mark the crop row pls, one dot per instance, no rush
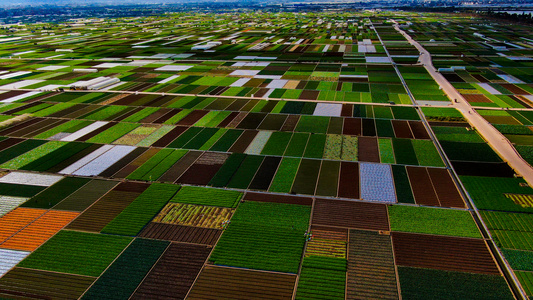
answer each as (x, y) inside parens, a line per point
(123, 276)
(322, 278)
(508, 221)
(194, 215)
(207, 196)
(265, 236)
(77, 253)
(136, 215)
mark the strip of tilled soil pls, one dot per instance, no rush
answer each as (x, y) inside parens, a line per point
(179, 233)
(228, 283)
(36, 284)
(350, 214)
(371, 273)
(174, 273)
(443, 253)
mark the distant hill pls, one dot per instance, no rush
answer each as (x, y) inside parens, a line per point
(98, 2)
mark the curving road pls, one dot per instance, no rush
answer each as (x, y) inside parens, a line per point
(496, 140)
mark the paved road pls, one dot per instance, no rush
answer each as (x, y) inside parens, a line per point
(495, 139)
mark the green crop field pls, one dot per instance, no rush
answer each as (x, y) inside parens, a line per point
(207, 196)
(256, 150)
(433, 221)
(77, 253)
(265, 236)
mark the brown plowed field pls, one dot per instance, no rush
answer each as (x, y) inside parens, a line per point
(9, 142)
(449, 124)
(371, 273)
(243, 141)
(156, 115)
(252, 120)
(11, 94)
(309, 95)
(290, 123)
(228, 283)
(402, 129)
(167, 116)
(68, 111)
(36, 284)
(434, 187)
(21, 108)
(514, 89)
(192, 118)
(180, 167)
(352, 126)
(82, 111)
(260, 92)
(179, 233)
(238, 104)
(447, 192)
(422, 186)
(480, 78)
(329, 233)
(273, 122)
(159, 102)
(350, 214)
(128, 100)
(56, 122)
(134, 187)
(136, 163)
(418, 129)
(28, 130)
(174, 273)
(264, 175)
(476, 98)
(170, 136)
(107, 208)
(368, 149)
(127, 114)
(349, 180)
(238, 118)
(203, 169)
(228, 119)
(443, 252)
(19, 126)
(199, 174)
(347, 110)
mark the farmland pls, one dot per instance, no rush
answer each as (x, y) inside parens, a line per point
(265, 155)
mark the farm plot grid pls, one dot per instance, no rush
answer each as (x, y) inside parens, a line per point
(252, 157)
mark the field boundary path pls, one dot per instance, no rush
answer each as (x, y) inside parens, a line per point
(495, 139)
